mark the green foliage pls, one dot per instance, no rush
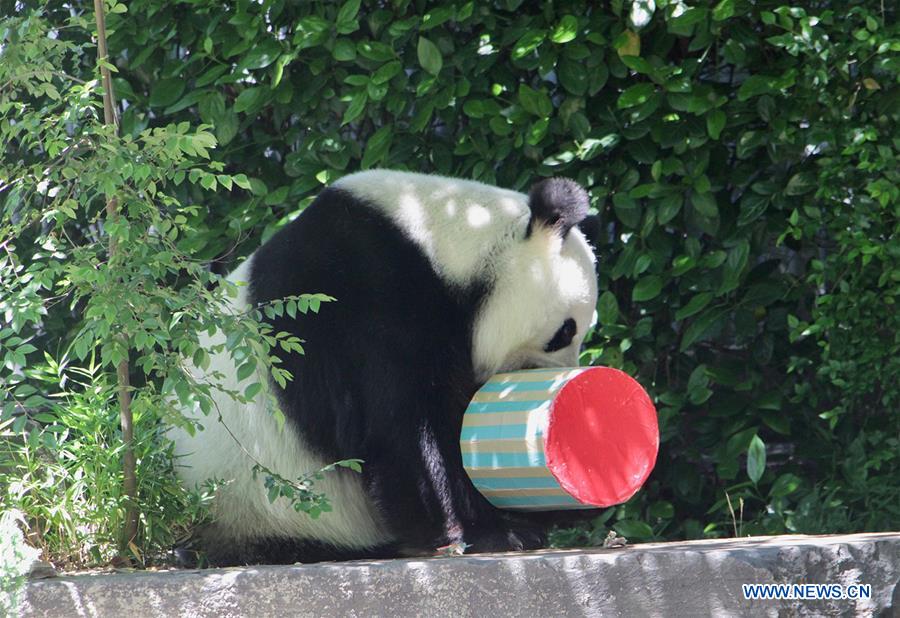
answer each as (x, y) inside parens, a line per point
(300, 492)
(61, 470)
(743, 156)
(88, 308)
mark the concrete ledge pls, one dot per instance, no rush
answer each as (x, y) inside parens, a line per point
(698, 578)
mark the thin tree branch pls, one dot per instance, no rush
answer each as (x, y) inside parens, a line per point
(126, 418)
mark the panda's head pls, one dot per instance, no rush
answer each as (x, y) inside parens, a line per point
(543, 288)
(525, 252)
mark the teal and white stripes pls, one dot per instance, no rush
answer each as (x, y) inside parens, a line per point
(502, 440)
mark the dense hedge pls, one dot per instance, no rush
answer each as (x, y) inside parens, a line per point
(742, 154)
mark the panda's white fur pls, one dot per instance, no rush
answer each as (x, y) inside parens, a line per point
(468, 231)
(242, 508)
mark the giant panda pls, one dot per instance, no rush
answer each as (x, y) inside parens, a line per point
(439, 283)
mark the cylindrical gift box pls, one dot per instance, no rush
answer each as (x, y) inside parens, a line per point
(548, 439)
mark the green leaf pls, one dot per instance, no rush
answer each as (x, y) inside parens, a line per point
(696, 304)
(566, 30)
(278, 72)
(753, 86)
(753, 205)
(647, 288)
(778, 422)
(347, 14)
(211, 75)
(277, 197)
(734, 266)
(724, 10)
(246, 370)
(628, 43)
(386, 72)
(715, 122)
(537, 131)
(635, 95)
(535, 101)
(26, 348)
(703, 326)
(257, 187)
(800, 183)
(253, 390)
(683, 25)
(633, 529)
(705, 204)
(739, 442)
(785, 485)
(527, 43)
(356, 107)
(756, 459)
(668, 207)
(211, 107)
(436, 17)
(344, 50)
(591, 147)
(260, 56)
(429, 55)
(748, 142)
(166, 91)
(249, 99)
(607, 308)
(208, 181)
(226, 127)
(572, 76)
(377, 147)
(184, 102)
(241, 181)
(374, 50)
(627, 209)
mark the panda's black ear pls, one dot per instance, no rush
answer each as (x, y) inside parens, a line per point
(591, 226)
(559, 203)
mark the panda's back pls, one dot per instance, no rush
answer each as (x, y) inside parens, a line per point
(456, 223)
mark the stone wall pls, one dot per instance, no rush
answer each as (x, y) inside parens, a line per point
(698, 578)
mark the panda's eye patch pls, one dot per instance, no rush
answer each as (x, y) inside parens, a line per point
(563, 336)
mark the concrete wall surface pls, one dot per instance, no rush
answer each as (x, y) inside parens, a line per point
(697, 578)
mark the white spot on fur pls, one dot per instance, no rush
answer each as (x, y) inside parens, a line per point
(478, 216)
(242, 509)
(458, 223)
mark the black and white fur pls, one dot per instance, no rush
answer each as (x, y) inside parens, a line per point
(440, 283)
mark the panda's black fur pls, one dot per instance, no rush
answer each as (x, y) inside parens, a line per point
(387, 373)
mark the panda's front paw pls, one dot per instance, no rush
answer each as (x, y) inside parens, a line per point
(516, 538)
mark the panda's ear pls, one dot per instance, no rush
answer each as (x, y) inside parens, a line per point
(558, 203)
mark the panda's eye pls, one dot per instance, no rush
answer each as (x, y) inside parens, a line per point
(563, 336)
